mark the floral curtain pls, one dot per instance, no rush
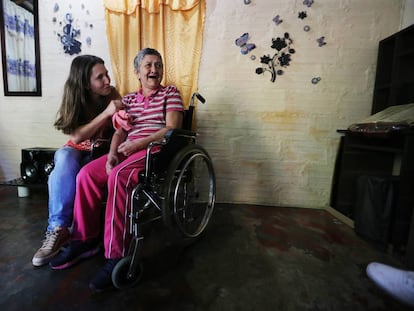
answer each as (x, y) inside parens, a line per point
(20, 47)
(173, 27)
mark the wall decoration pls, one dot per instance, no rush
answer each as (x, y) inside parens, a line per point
(19, 44)
(308, 3)
(280, 59)
(316, 80)
(321, 41)
(245, 47)
(276, 64)
(69, 30)
(68, 38)
(302, 15)
(277, 20)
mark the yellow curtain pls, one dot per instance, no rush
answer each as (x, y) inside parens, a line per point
(173, 27)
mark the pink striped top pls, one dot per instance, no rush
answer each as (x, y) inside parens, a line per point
(147, 114)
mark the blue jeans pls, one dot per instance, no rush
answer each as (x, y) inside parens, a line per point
(62, 185)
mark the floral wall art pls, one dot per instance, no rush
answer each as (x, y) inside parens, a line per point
(275, 63)
(72, 26)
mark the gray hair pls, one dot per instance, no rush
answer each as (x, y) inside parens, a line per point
(141, 54)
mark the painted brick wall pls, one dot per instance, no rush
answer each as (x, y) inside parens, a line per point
(271, 143)
(28, 121)
(276, 143)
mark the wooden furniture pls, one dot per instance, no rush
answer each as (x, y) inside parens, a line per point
(388, 156)
(394, 80)
(391, 158)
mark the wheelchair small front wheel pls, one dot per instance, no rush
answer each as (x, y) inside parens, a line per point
(121, 277)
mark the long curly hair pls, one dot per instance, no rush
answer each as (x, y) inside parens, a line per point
(76, 108)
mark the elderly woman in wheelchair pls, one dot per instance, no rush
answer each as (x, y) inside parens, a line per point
(153, 171)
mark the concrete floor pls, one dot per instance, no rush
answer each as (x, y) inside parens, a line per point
(251, 258)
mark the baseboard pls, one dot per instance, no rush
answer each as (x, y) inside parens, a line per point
(340, 216)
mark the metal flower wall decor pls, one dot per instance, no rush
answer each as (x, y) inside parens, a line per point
(71, 34)
(280, 59)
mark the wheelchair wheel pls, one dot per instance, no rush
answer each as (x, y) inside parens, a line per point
(120, 276)
(190, 190)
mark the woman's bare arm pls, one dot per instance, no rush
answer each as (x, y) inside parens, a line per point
(174, 120)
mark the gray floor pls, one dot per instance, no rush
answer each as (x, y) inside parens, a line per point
(251, 258)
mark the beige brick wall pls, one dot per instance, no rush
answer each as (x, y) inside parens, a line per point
(276, 143)
(271, 143)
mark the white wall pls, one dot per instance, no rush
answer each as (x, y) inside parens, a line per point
(408, 14)
(276, 143)
(28, 121)
(272, 143)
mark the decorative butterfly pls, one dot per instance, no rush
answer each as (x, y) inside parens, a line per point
(308, 3)
(321, 41)
(277, 20)
(245, 47)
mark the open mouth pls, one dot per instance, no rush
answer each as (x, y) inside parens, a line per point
(153, 77)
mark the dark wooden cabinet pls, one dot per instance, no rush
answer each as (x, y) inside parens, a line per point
(394, 79)
(389, 156)
(359, 156)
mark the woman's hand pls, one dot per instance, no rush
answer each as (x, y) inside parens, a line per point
(127, 147)
(111, 162)
(114, 106)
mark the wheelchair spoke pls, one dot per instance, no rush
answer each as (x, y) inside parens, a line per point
(191, 191)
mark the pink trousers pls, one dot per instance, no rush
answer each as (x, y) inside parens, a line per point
(93, 186)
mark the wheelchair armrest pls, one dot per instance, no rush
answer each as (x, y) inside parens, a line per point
(100, 147)
(181, 133)
(174, 140)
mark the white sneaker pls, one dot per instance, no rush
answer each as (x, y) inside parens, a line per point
(396, 282)
(51, 245)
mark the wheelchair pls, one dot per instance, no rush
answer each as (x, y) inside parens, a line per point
(178, 193)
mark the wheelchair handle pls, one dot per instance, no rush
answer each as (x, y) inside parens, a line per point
(199, 97)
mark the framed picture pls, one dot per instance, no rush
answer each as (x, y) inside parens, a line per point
(19, 27)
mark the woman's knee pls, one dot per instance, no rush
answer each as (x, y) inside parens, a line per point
(93, 172)
(111, 179)
(65, 154)
(66, 164)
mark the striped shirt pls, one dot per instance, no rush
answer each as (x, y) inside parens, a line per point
(147, 114)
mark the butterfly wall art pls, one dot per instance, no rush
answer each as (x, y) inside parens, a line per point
(245, 47)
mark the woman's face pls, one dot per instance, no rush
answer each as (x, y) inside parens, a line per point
(150, 72)
(100, 83)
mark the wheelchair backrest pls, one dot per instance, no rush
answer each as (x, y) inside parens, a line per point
(188, 119)
(175, 140)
